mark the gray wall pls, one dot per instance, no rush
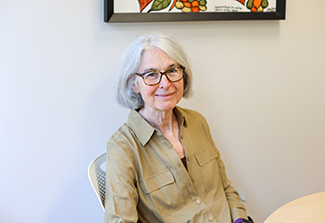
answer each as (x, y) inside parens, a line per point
(260, 84)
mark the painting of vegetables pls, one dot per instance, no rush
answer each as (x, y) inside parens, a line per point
(192, 10)
(197, 5)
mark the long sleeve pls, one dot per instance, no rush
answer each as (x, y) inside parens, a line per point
(236, 207)
(121, 193)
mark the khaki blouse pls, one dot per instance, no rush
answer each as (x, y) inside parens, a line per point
(147, 181)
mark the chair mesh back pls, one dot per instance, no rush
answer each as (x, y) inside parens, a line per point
(97, 177)
(99, 182)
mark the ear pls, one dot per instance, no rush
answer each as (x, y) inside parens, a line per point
(135, 86)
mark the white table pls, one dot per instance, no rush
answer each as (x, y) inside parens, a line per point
(307, 209)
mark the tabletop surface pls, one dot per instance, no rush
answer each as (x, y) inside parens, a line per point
(310, 208)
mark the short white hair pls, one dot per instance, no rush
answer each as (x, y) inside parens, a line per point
(126, 78)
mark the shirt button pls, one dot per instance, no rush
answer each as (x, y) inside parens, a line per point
(198, 201)
(211, 219)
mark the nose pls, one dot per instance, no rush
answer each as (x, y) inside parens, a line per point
(164, 83)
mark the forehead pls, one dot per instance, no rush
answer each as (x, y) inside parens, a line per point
(155, 58)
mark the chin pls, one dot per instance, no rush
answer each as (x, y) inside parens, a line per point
(167, 108)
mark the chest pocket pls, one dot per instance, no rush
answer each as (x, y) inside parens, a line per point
(163, 194)
(209, 169)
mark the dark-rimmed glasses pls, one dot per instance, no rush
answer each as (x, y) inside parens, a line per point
(154, 77)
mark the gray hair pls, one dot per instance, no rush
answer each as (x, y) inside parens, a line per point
(126, 80)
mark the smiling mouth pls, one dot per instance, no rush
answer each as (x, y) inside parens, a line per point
(165, 95)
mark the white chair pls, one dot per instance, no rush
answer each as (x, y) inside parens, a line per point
(97, 178)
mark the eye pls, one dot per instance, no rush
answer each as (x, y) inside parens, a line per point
(172, 70)
(151, 74)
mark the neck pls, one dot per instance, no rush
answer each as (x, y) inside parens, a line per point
(164, 121)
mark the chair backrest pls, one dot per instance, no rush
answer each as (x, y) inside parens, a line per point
(97, 177)
(242, 195)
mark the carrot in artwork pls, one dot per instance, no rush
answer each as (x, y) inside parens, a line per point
(242, 1)
(143, 4)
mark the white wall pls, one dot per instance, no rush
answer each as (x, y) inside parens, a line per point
(260, 84)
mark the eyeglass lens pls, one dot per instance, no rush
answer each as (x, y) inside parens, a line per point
(154, 77)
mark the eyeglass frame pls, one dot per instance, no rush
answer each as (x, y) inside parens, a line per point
(161, 74)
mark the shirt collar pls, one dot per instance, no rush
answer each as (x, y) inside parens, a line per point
(143, 130)
(180, 116)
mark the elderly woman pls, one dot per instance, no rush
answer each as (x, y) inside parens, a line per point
(162, 164)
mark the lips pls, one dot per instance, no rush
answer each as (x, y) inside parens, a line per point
(165, 95)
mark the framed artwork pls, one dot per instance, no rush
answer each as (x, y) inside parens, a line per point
(192, 10)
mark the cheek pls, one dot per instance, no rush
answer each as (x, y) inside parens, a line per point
(144, 90)
(136, 85)
(148, 92)
(180, 88)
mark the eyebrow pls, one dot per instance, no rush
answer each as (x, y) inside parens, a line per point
(155, 69)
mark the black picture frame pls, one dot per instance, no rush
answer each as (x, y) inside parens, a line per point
(111, 17)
